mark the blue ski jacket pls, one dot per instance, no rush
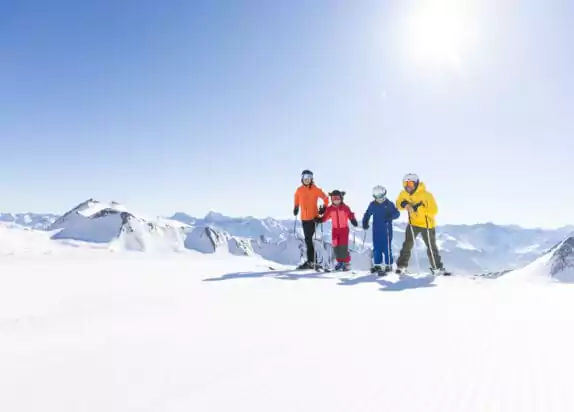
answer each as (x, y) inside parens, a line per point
(383, 216)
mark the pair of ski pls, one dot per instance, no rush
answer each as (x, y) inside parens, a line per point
(433, 272)
(380, 273)
(321, 269)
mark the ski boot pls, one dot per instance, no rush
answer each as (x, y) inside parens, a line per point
(346, 267)
(339, 266)
(388, 269)
(440, 272)
(306, 266)
(401, 270)
(376, 269)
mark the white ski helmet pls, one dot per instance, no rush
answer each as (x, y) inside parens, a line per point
(379, 192)
(306, 174)
(411, 182)
(411, 177)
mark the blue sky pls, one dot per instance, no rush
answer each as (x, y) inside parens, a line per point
(218, 105)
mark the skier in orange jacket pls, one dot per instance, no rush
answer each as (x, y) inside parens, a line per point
(306, 198)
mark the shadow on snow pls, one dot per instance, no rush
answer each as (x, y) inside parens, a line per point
(405, 282)
(282, 274)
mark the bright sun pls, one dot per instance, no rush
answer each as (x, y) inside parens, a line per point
(439, 34)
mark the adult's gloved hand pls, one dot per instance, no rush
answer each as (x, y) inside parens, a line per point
(354, 222)
(417, 205)
(404, 204)
(295, 210)
(365, 226)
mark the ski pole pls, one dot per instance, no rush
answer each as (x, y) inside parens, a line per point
(370, 250)
(331, 255)
(430, 245)
(295, 230)
(316, 246)
(389, 252)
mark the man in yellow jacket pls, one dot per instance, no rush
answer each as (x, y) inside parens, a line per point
(422, 209)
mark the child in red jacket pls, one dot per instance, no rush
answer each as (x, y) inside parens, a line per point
(340, 215)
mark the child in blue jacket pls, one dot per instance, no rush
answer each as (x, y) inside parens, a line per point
(384, 212)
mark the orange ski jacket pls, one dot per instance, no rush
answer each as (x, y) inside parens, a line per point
(306, 198)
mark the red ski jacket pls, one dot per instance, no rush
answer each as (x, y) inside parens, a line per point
(339, 215)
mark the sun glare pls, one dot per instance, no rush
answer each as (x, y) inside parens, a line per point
(439, 35)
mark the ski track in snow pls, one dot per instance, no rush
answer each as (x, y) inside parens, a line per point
(88, 330)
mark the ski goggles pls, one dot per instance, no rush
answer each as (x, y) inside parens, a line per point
(307, 176)
(409, 184)
(379, 196)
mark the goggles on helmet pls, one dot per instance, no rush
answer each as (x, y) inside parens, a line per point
(409, 184)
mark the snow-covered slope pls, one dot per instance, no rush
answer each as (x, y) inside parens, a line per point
(205, 239)
(93, 331)
(557, 265)
(562, 261)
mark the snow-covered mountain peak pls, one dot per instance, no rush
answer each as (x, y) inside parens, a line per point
(111, 222)
(92, 207)
(215, 217)
(88, 208)
(184, 218)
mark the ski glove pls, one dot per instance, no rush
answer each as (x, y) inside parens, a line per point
(365, 226)
(296, 211)
(354, 222)
(318, 219)
(416, 206)
(322, 209)
(404, 204)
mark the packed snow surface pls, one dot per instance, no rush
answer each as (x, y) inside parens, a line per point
(87, 329)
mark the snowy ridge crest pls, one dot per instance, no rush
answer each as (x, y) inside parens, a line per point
(557, 265)
(562, 261)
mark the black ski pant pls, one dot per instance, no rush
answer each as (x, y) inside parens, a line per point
(309, 231)
(429, 237)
